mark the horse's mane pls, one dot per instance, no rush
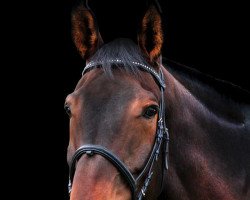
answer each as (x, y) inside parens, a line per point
(123, 49)
(195, 77)
(224, 99)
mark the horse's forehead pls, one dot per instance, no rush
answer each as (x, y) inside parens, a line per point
(121, 88)
(97, 83)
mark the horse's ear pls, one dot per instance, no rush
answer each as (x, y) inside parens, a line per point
(85, 31)
(150, 37)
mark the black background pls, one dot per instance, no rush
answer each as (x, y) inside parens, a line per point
(211, 36)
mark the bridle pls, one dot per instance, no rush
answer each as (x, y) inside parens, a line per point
(161, 142)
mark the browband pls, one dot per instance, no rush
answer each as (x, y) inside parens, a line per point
(92, 64)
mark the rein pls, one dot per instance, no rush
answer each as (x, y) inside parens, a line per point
(161, 142)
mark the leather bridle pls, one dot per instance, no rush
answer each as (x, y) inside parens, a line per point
(161, 142)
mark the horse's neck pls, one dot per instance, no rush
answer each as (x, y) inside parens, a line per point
(209, 144)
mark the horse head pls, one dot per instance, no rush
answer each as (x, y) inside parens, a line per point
(117, 121)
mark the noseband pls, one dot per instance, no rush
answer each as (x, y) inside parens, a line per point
(161, 142)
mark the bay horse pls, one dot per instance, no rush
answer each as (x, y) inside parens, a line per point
(141, 128)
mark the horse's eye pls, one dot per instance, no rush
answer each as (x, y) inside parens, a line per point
(150, 111)
(67, 109)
